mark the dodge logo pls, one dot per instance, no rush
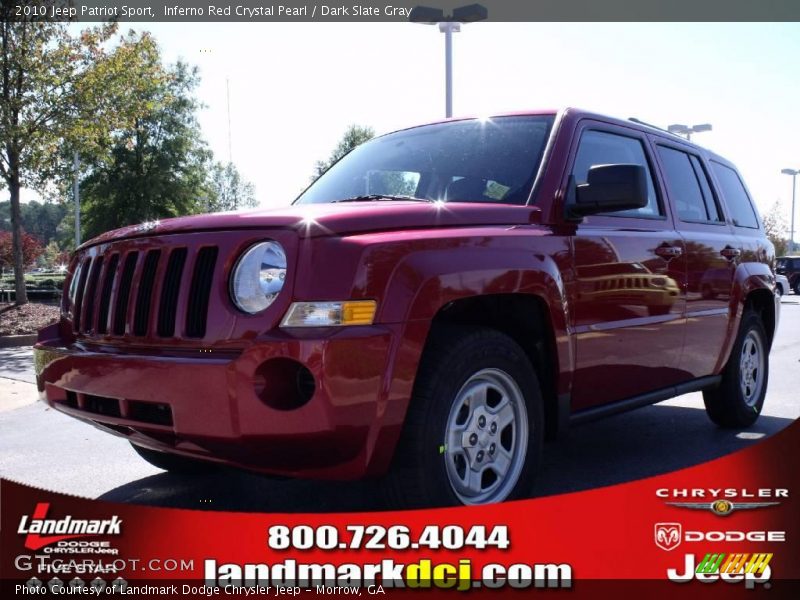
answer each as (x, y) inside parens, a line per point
(668, 535)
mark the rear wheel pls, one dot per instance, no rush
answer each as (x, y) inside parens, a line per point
(738, 400)
(174, 463)
(474, 429)
(797, 286)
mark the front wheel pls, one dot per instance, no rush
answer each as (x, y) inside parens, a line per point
(474, 429)
(738, 400)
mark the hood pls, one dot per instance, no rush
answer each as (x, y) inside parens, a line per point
(317, 220)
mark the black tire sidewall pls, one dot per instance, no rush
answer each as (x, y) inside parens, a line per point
(727, 406)
(471, 354)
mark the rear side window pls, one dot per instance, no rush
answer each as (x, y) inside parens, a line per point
(714, 213)
(688, 186)
(736, 198)
(602, 148)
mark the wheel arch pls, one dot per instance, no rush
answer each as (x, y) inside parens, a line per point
(752, 290)
(762, 301)
(525, 319)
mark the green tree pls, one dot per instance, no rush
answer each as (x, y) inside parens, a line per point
(54, 257)
(157, 167)
(775, 227)
(228, 190)
(354, 135)
(57, 92)
(38, 218)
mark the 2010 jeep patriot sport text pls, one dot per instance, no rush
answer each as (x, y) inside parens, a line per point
(430, 309)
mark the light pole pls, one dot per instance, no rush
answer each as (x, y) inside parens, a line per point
(76, 193)
(679, 129)
(448, 25)
(793, 173)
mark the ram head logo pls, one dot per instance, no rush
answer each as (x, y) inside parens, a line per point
(668, 535)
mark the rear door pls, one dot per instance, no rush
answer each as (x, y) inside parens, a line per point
(712, 253)
(628, 273)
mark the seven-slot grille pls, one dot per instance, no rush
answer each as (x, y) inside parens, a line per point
(126, 291)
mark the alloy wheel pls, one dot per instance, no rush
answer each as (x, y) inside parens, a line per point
(486, 438)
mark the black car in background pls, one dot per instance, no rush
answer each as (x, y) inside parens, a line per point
(790, 266)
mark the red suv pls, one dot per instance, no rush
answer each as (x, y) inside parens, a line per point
(429, 310)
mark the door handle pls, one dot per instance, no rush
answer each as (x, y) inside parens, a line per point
(667, 252)
(730, 252)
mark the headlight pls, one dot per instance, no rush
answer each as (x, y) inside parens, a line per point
(258, 277)
(330, 314)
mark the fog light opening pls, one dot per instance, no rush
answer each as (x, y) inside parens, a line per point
(283, 384)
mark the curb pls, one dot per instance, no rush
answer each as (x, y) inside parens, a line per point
(11, 341)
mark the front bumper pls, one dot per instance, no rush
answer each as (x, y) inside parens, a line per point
(204, 404)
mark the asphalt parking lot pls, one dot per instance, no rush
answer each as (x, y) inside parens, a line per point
(43, 448)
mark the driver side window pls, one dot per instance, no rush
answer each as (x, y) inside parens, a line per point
(603, 148)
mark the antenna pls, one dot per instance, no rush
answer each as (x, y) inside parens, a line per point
(230, 145)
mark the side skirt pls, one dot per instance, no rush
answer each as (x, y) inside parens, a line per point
(614, 408)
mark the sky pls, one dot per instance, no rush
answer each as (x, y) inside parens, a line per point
(295, 87)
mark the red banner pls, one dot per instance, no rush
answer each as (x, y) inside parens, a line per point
(728, 526)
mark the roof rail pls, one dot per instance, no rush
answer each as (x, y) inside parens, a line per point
(640, 122)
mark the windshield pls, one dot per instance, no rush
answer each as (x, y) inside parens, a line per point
(477, 160)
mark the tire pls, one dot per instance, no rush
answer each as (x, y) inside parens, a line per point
(474, 428)
(658, 310)
(797, 286)
(779, 289)
(175, 463)
(738, 400)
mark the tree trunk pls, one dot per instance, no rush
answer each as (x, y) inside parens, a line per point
(16, 233)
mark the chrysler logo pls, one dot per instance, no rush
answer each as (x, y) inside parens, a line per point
(722, 508)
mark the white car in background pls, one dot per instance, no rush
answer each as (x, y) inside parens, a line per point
(781, 285)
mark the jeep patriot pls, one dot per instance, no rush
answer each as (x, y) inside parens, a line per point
(432, 308)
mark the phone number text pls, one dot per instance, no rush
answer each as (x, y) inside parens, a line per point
(378, 537)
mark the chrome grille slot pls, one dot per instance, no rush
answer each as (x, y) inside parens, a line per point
(169, 292)
(85, 266)
(123, 293)
(105, 294)
(144, 294)
(91, 292)
(197, 311)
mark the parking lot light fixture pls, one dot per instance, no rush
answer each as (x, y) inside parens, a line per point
(680, 129)
(793, 173)
(448, 24)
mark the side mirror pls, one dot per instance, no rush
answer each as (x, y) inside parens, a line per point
(609, 188)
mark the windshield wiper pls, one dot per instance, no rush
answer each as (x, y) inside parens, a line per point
(382, 197)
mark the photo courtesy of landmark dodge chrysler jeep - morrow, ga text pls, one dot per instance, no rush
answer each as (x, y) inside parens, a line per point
(432, 308)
